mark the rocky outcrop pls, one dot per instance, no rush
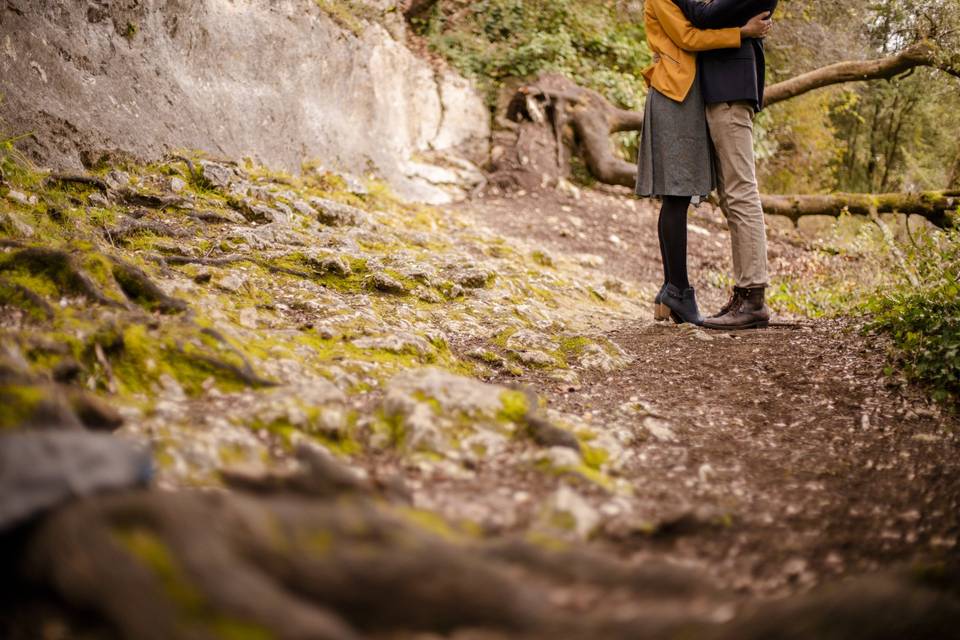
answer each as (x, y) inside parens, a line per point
(280, 81)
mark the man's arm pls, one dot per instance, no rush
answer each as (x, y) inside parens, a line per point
(717, 14)
(678, 29)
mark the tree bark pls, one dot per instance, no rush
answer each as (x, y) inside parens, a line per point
(921, 54)
(591, 120)
(939, 207)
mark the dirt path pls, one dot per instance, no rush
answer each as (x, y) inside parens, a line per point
(775, 459)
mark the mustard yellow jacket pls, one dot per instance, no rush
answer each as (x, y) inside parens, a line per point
(674, 43)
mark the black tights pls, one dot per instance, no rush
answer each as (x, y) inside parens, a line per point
(673, 240)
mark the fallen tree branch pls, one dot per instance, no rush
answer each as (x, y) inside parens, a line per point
(939, 207)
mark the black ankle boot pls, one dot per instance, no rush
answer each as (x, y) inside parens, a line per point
(660, 310)
(683, 305)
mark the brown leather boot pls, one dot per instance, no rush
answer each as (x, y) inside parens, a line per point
(751, 312)
(739, 293)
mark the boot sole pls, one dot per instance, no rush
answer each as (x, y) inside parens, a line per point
(760, 324)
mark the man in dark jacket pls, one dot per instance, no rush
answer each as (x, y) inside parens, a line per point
(733, 81)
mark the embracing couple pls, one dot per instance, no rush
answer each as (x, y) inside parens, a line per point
(706, 85)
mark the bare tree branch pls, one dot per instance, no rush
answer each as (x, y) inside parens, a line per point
(922, 54)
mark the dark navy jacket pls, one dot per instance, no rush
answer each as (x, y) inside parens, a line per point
(729, 75)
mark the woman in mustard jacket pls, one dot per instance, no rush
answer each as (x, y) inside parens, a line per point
(676, 162)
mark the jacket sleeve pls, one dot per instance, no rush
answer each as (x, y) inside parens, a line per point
(717, 14)
(679, 29)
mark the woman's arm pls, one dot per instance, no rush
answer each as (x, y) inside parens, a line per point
(685, 36)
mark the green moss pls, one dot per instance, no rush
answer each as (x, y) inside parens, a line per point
(433, 403)
(429, 521)
(147, 548)
(347, 13)
(546, 541)
(15, 295)
(515, 407)
(147, 354)
(594, 457)
(390, 426)
(563, 520)
(192, 607)
(18, 403)
(501, 338)
(344, 446)
(581, 471)
(571, 347)
(542, 259)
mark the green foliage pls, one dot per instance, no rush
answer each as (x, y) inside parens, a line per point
(879, 136)
(349, 14)
(897, 136)
(596, 43)
(924, 321)
(853, 272)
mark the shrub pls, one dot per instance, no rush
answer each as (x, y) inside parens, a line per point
(924, 321)
(599, 44)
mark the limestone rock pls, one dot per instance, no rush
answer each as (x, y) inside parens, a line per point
(335, 265)
(217, 175)
(337, 214)
(536, 358)
(567, 510)
(176, 185)
(177, 88)
(442, 413)
(474, 278)
(399, 344)
(388, 284)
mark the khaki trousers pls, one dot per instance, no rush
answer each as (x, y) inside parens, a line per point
(731, 129)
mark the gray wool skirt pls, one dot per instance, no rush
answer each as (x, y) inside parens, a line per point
(676, 157)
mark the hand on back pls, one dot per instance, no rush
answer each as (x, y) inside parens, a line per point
(758, 26)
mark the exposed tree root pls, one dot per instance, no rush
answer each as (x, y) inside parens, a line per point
(142, 290)
(77, 178)
(138, 199)
(208, 262)
(171, 566)
(316, 554)
(133, 227)
(19, 296)
(581, 117)
(227, 260)
(49, 405)
(244, 374)
(64, 270)
(61, 268)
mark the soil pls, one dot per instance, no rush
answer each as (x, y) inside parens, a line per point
(790, 458)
